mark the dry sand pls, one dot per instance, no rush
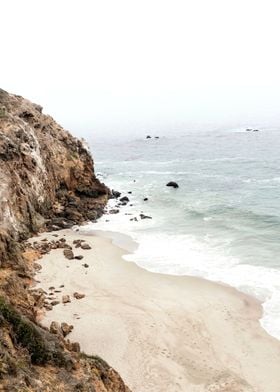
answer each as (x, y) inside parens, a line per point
(162, 333)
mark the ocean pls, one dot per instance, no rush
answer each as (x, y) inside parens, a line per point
(222, 223)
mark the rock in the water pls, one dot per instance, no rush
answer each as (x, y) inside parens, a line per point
(148, 137)
(145, 199)
(116, 194)
(68, 254)
(78, 295)
(143, 216)
(79, 257)
(85, 265)
(85, 246)
(66, 299)
(114, 211)
(173, 184)
(124, 199)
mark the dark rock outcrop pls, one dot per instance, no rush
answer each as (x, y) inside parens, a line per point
(124, 199)
(172, 184)
(115, 194)
(143, 216)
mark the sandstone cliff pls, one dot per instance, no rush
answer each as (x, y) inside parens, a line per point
(46, 175)
(47, 181)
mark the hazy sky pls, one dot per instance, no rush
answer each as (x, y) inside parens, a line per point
(146, 65)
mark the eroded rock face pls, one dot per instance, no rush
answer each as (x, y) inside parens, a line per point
(46, 175)
(47, 181)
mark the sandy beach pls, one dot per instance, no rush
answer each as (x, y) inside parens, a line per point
(160, 332)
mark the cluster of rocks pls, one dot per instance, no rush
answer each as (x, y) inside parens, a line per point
(69, 254)
(45, 246)
(60, 329)
(124, 200)
(48, 300)
(121, 201)
(81, 244)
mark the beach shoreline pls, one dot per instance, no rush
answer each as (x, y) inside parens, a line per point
(161, 332)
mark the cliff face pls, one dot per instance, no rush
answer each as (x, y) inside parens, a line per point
(47, 182)
(46, 175)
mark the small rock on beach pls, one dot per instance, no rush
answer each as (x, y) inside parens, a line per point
(66, 299)
(78, 295)
(85, 246)
(68, 253)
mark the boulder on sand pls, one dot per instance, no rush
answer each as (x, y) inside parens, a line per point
(78, 295)
(66, 299)
(68, 254)
(66, 329)
(85, 246)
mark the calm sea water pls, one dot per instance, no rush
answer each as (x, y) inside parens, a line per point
(222, 223)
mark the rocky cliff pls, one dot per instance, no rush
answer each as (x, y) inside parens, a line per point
(46, 175)
(47, 182)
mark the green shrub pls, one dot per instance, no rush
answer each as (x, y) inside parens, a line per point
(97, 360)
(25, 334)
(3, 111)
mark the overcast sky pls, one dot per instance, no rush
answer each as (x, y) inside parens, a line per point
(107, 66)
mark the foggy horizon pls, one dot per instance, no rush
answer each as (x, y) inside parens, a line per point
(150, 67)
